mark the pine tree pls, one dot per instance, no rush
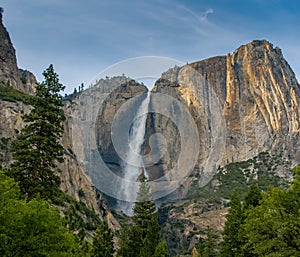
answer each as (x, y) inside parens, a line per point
(146, 228)
(103, 245)
(231, 245)
(37, 148)
(201, 246)
(161, 250)
(210, 244)
(272, 228)
(142, 238)
(127, 242)
(206, 247)
(253, 197)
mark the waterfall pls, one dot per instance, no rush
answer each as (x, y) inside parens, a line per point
(134, 155)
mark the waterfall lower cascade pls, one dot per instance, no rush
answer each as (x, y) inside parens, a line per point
(135, 142)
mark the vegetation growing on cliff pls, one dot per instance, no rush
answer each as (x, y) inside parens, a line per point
(238, 176)
(186, 221)
(266, 224)
(8, 93)
(273, 227)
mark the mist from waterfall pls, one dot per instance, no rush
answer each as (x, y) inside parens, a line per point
(134, 156)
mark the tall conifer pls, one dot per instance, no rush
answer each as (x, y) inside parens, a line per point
(141, 238)
(231, 245)
(37, 147)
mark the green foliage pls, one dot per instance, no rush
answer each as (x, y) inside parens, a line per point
(253, 197)
(103, 245)
(273, 228)
(74, 221)
(296, 182)
(270, 223)
(31, 228)
(210, 244)
(207, 247)
(126, 242)
(231, 245)
(8, 93)
(37, 148)
(78, 217)
(142, 238)
(23, 80)
(9, 190)
(239, 176)
(200, 246)
(161, 250)
(81, 193)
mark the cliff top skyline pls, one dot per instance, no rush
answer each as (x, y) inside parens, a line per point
(83, 39)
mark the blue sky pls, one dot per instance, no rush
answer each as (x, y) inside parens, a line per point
(82, 38)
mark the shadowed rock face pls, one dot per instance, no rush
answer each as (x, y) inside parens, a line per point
(243, 104)
(106, 116)
(89, 129)
(9, 72)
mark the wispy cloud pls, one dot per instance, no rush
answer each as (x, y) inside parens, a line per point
(206, 13)
(201, 17)
(92, 35)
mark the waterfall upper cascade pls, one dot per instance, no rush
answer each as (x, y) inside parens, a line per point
(133, 164)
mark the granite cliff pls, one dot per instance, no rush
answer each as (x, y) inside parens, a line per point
(22, 80)
(92, 114)
(244, 103)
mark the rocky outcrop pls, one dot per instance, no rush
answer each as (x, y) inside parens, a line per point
(184, 222)
(9, 72)
(74, 180)
(11, 121)
(106, 115)
(29, 81)
(243, 104)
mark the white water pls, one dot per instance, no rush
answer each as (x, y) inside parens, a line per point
(134, 156)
